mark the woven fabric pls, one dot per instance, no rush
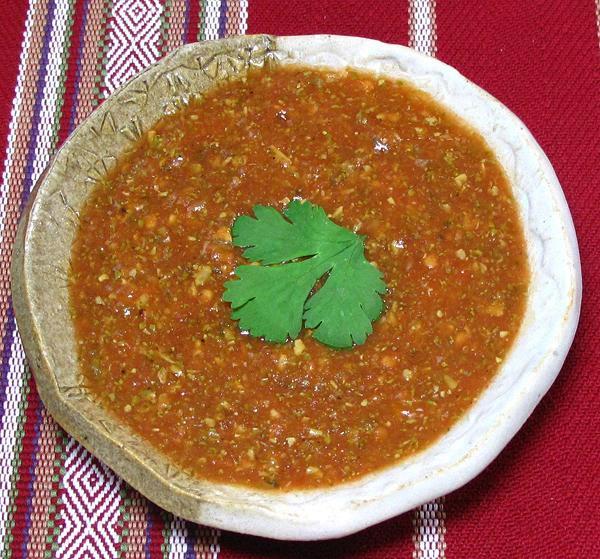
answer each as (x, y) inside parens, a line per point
(60, 58)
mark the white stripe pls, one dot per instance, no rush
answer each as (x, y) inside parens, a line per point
(177, 538)
(598, 20)
(244, 17)
(47, 127)
(429, 531)
(211, 26)
(422, 27)
(15, 394)
(14, 117)
(428, 519)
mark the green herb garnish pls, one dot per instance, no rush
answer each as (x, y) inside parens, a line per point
(271, 299)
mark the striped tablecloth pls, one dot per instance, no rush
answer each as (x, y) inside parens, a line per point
(60, 58)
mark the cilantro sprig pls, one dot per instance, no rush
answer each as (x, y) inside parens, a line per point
(292, 252)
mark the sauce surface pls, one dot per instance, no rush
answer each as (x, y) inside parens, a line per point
(157, 345)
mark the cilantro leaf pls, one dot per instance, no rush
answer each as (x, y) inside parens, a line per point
(323, 312)
(272, 239)
(273, 299)
(269, 300)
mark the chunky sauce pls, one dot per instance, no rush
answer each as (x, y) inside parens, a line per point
(157, 345)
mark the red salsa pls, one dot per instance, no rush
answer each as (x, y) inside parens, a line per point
(158, 347)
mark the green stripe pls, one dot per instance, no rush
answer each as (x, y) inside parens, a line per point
(202, 22)
(124, 520)
(166, 533)
(63, 74)
(103, 48)
(53, 527)
(16, 462)
(165, 16)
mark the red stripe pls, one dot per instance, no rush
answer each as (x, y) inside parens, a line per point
(539, 498)
(57, 488)
(193, 20)
(24, 480)
(12, 27)
(378, 19)
(156, 518)
(71, 76)
(120, 524)
(384, 541)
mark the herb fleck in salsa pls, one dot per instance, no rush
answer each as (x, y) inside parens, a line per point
(158, 346)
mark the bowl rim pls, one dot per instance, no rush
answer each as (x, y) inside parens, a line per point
(348, 508)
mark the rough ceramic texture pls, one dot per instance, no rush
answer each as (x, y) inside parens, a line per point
(40, 294)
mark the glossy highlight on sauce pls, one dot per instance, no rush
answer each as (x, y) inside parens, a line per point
(157, 345)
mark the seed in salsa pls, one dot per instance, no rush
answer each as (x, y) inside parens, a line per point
(157, 344)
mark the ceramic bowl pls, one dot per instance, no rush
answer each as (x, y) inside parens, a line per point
(41, 262)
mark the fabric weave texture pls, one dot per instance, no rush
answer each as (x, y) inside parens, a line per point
(60, 58)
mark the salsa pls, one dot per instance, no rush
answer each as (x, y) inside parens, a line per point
(158, 347)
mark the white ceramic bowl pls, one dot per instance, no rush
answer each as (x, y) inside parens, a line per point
(41, 261)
